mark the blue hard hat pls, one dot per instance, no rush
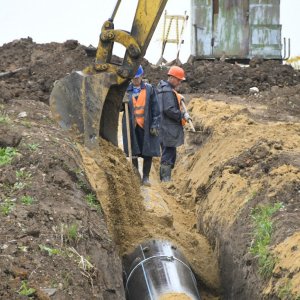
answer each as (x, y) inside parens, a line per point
(139, 72)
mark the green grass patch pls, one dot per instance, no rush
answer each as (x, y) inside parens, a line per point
(4, 119)
(6, 155)
(284, 292)
(19, 185)
(22, 174)
(33, 146)
(92, 201)
(27, 200)
(25, 290)
(26, 123)
(6, 207)
(263, 227)
(50, 251)
(72, 233)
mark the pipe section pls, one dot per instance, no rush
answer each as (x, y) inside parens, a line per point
(157, 270)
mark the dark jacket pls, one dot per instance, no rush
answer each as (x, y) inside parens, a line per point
(171, 129)
(151, 146)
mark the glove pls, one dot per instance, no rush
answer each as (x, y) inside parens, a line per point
(154, 131)
(186, 116)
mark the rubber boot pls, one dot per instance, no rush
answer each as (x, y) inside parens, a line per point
(146, 171)
(165, 173)
(135, 163)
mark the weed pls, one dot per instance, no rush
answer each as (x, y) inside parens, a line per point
(27, 200)
(26, 124)
(22, 174)
(25, 290)
(19, 185)
(251, 196)
(4, 119)
(284, 292)
(262, 217)
(6, 207)
(50, 251)
(23, 248)
(92, 201)
(67, 279)
(7, 155)
(72, 233)
(83, 263)
(33, 146)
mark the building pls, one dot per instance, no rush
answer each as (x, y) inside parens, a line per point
(236, 29)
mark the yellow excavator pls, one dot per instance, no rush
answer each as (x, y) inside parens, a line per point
(87, 103)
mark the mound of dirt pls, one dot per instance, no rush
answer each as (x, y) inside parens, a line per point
(54, 240)
(41, 65)
(243, 164)
(223, 77)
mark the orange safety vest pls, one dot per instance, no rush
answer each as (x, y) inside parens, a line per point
(179, 97)
(139, 108)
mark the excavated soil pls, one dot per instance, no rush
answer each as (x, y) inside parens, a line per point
(245, 154)
(175, 296)
(237, 161)
(134, 217)
(38, 244)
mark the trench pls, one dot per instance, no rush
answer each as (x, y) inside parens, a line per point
(135, 214)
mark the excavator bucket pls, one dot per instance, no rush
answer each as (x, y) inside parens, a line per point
(82, 104)
(87, 103)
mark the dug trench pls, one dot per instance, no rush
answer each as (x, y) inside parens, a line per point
(241, 168)
(55, 237)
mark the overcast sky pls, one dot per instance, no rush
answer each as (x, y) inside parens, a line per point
(59, 20)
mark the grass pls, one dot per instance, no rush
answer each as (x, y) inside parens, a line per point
(284, 291)
(19, 185)
(72, 233)
(92, 201)
(262, 218)
(33, 146)
(25, 290)
(50, 251)
(22, 174)
(6, 155)
(27, 200)
(27, 124)
(6, 207)
(4, 119)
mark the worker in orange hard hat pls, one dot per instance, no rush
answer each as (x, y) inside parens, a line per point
(172, 121)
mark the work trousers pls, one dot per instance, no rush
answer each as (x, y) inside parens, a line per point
(168, 156)
(140, 133)
(147, 163)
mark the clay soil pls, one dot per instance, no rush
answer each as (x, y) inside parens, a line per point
(245, 154)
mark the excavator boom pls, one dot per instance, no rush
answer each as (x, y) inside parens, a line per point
(87, 103)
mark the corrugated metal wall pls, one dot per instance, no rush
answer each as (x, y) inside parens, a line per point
(236, 28)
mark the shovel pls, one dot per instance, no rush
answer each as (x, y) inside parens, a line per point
(128, 131)
(190, 121)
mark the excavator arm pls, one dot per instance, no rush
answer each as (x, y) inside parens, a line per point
(87, 103)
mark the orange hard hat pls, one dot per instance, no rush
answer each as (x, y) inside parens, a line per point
(177, 72)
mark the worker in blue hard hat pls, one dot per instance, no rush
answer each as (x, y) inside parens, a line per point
(144, 119)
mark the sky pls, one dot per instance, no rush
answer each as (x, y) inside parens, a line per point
(59, 20)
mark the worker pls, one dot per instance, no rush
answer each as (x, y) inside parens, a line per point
(144, 122)
(173, 119)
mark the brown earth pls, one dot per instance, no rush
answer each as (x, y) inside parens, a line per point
(238, 161)
(246, 154)
(175, 296)
(37, 241)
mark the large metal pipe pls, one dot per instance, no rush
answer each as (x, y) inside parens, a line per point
(157, 270)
